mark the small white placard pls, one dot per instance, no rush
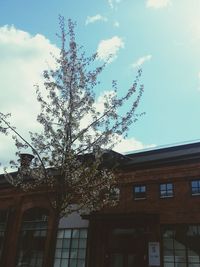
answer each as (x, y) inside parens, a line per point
(154, 254)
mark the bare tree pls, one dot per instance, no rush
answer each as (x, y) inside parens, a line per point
(68, 153)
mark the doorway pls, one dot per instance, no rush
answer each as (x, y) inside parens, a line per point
(127, 248)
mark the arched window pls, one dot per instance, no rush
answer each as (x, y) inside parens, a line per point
(32, 240)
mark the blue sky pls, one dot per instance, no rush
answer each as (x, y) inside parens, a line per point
(161, 36)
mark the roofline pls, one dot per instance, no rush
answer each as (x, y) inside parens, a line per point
(162, 149)
(160, 157)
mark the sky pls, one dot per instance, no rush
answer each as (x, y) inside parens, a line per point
(160, 36)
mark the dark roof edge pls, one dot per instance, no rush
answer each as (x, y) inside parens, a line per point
(161, 149)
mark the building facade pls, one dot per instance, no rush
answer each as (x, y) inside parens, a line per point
(29, 236)
(156, 222)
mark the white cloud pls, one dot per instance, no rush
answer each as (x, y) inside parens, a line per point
(158, 3)
(23, 59)
(130, 144)
(113, 3)
(140, 61)
(109, 48)
(95, 18)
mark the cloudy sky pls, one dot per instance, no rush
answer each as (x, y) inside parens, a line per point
(160, 36)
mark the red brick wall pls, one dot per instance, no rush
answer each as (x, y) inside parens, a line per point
(181, 208)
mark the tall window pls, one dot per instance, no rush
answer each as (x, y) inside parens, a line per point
(181, 246)
(139, 191)
(166, 190)
(71, 248)
(32, 240)
(3, 222)
(195, 187)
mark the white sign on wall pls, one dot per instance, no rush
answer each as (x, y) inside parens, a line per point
(154, 254)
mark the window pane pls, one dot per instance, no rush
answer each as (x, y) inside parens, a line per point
(193, 256)
(81, 253)
(169, 186)
(66, 243)
(58, 253)
(162, 187)
(57, 263)
(74, 254)
(193, 230)
(179, 245)
(169, 192)
(73, 263)
(143, 188)
(168, 233)
(168, 243)
(75, 233)
(168, 252)
(194, 184)
(74, 243)
(82, 243)
(60, 234)
(137, 189)
(195, 190)
(64, 263)
(67, 233)
(180, 256)
(162, 194)
(194, 259)
(83, 233)
(65, 253)
(81, 263)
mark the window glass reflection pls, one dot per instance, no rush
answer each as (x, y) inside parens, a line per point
(71, 248)
(181, 245)
(32, 240)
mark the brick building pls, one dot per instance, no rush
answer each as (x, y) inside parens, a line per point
(156, 223)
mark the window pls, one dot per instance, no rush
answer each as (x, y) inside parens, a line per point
(166, 190)
(193, 230)
(195, 186)
(32, 238)
(71, 248)
(139, 191)
(181, 246)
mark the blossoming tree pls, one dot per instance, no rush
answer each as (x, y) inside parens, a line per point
(68, 153)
